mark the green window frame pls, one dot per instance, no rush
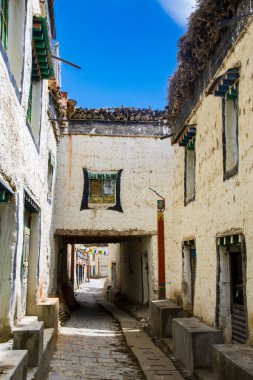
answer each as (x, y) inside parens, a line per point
(4, 5)
(29, 107)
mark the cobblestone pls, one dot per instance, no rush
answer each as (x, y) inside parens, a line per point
(91, 345)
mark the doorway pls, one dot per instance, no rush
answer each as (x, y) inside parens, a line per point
(25, 259)
(145, 278)
(231, 297)
(238, 312)
(189, 266)
(30, 269)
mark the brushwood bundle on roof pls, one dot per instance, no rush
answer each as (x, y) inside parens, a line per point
(129, 114)
(196, 47)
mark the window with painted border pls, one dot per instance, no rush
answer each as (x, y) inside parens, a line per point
(190, 164)
(16, 39)
(230, 133)
(102, 190)
(34, 109)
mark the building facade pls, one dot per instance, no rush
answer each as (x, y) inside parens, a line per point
(105, 171)
(28, 155)
(209, 242)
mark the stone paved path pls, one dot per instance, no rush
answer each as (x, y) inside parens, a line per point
(91, 345)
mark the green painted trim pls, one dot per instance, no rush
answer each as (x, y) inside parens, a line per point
(43, 49)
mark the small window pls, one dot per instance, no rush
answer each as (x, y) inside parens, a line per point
(29, 107)
(50, 176)
(102, 188)
(190, 162)
(230, 134)
(4, 4)
(34, 109)
(16, 38)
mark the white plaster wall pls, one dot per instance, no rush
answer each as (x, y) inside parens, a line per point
(131, 269)
(145, 162)
(114, 257)
(106, 261)
(220, 206)
(23, 166)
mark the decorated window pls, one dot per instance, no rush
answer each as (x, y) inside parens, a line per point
(226, 87)
(4, 22)
(102, 188)
(42, 68)
(230, 134)
(190, 161)
(187, 140)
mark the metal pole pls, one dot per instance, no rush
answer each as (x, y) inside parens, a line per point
(67, 62)
(161, 249)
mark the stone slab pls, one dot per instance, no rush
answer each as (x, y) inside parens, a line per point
(162, 313)
(48, 349)
(193, 341)
(233, 362)
(13, 365)
(153, 362)
(27, 320)
(48, 312)
(30, 337)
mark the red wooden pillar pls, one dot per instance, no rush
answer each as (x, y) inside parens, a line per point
(161, 249)
(72, 263)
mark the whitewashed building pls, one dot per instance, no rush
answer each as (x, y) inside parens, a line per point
(209, 238)
(105, 171)
(28, 155)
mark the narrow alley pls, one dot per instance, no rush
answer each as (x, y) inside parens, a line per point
(126, 223)
(91, 345)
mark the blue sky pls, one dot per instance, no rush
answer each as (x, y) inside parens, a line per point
(127, 49)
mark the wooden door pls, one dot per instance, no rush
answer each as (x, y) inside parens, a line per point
(25, 259)
(25, 267)
(238, 309)
(193, 263)
(145, 279)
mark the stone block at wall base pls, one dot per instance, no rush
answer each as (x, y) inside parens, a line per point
(193, 341)
(13, 365)
(30, 337)
(48, 349)
(48, 312)
(162, 313)
(232, 362)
